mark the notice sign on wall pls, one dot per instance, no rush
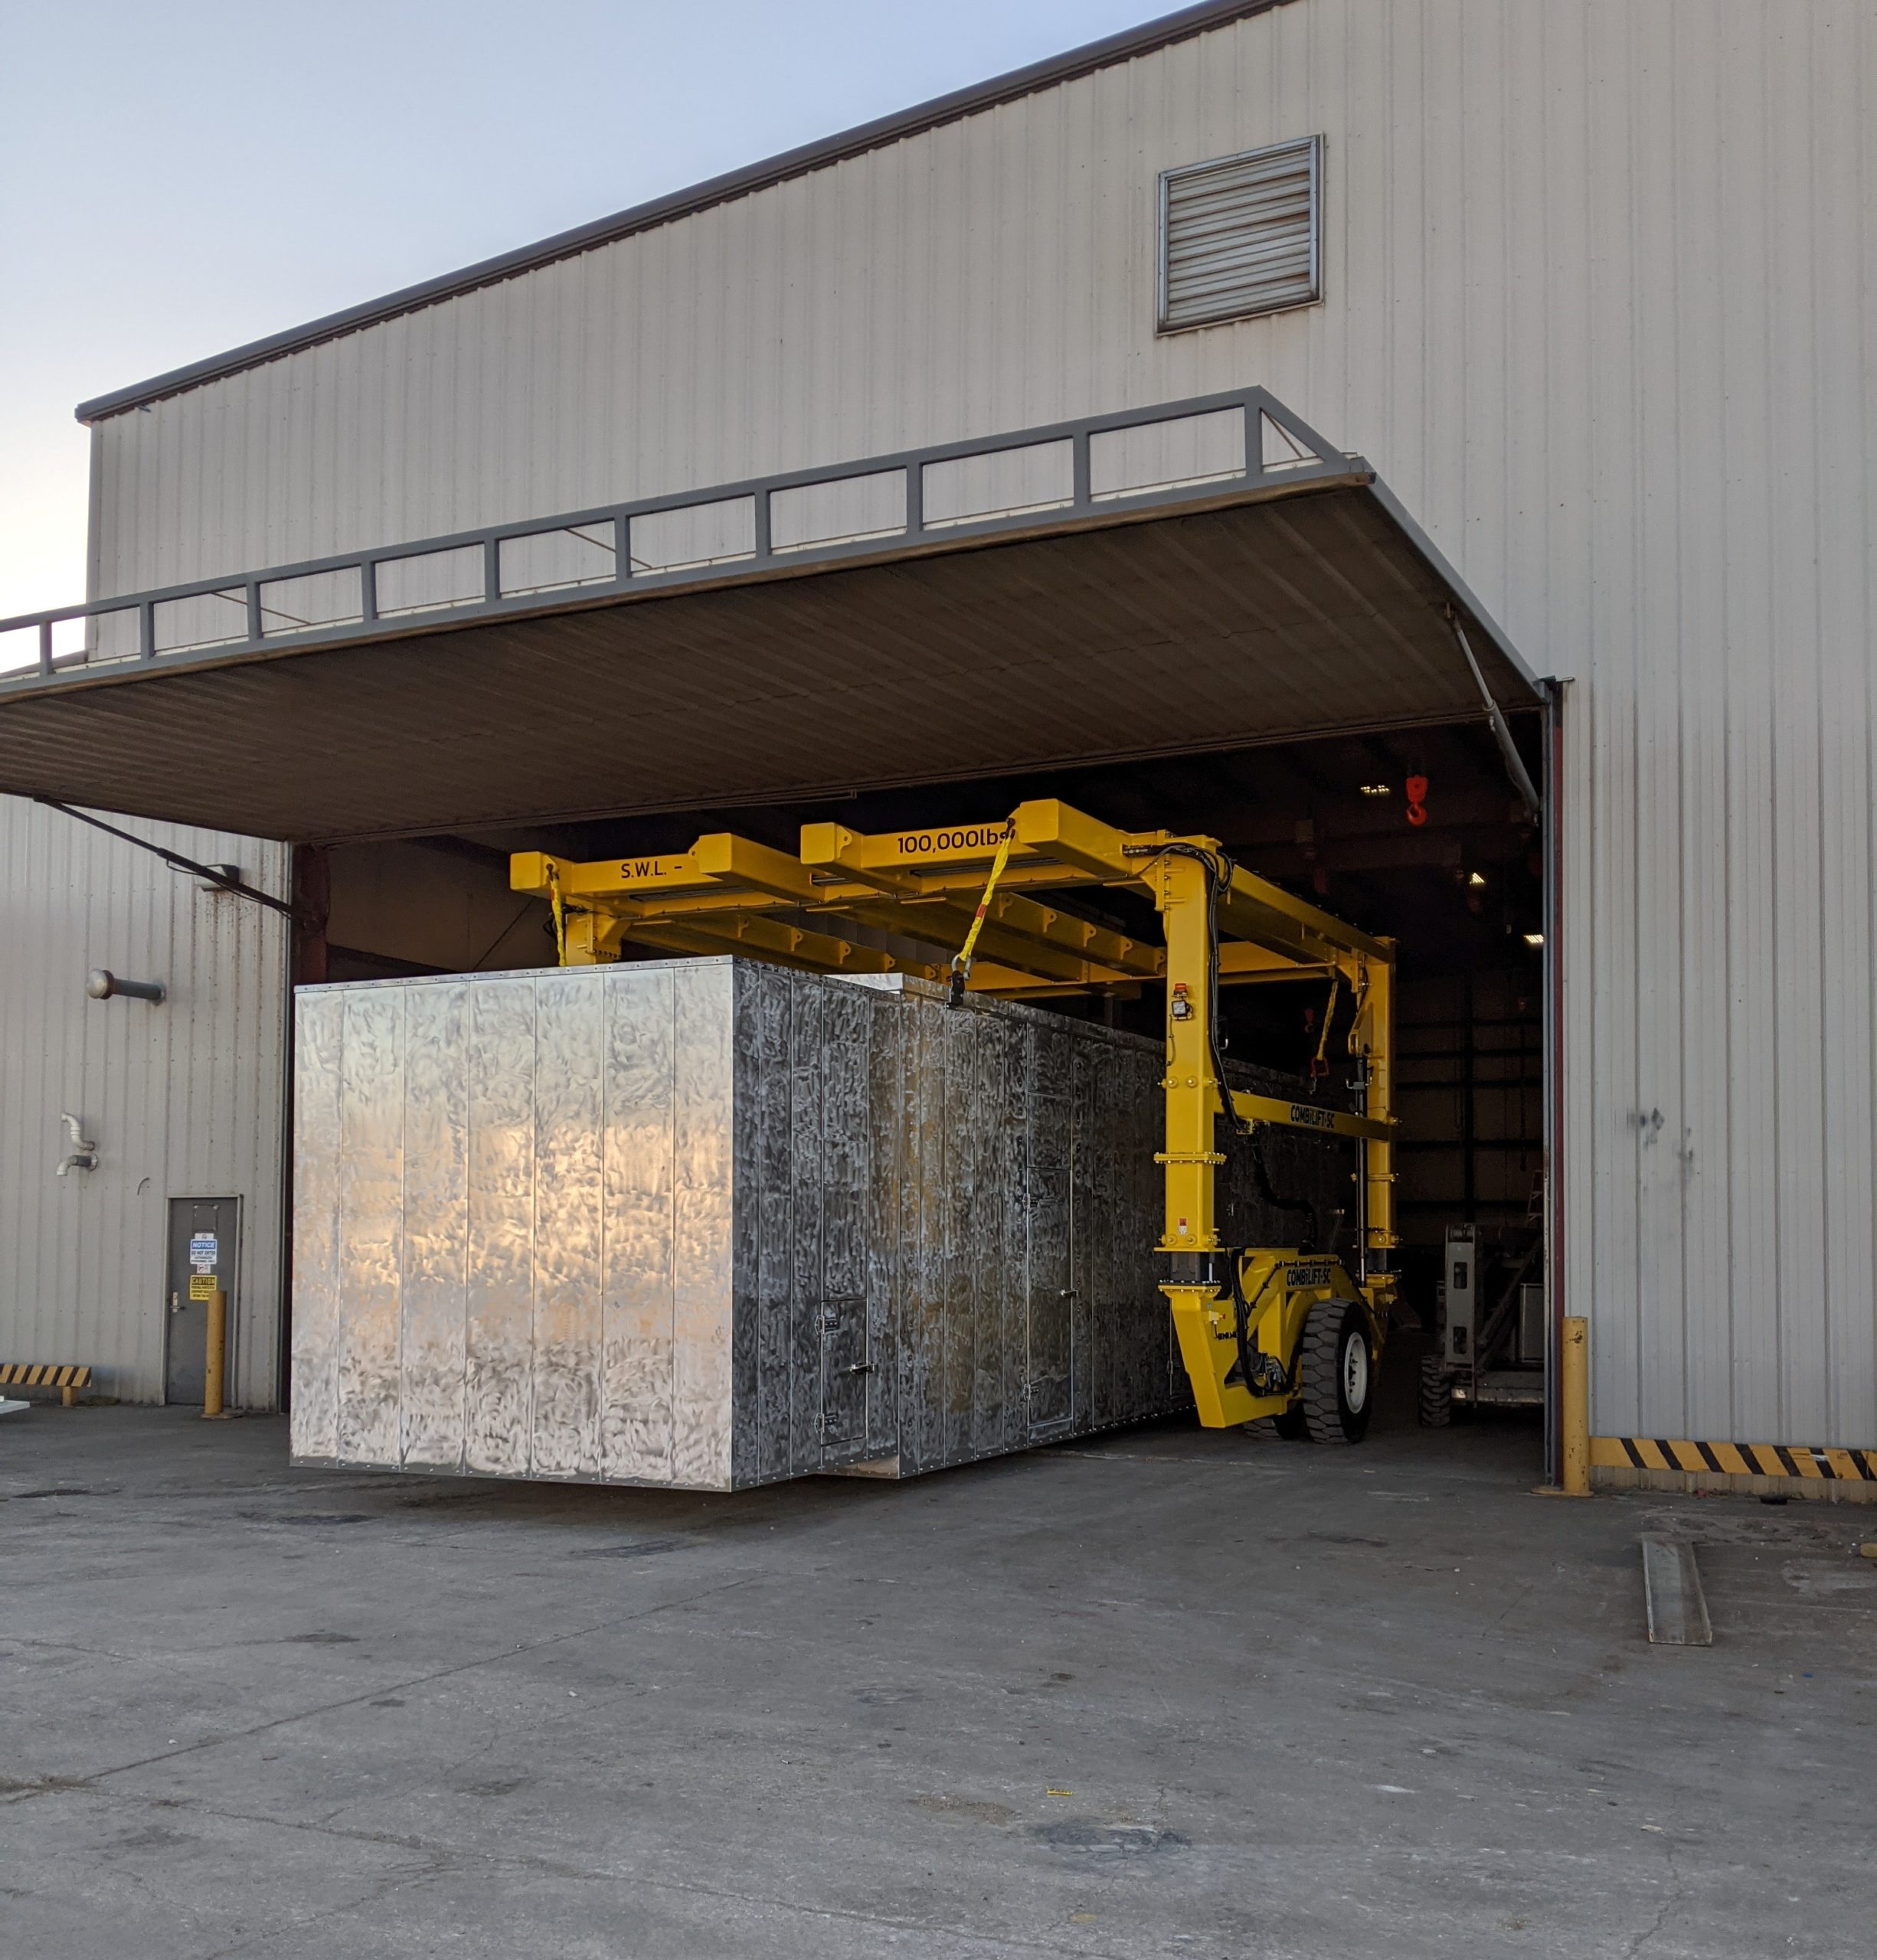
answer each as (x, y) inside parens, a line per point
(204, 1248)
(202, 1286)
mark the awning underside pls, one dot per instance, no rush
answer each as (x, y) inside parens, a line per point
(1266, 621)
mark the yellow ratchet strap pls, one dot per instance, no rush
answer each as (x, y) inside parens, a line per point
(961, 965)
(559, 913)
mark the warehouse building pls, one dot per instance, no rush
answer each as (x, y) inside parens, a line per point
(1425, 448)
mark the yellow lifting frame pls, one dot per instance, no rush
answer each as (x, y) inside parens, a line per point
(1239, 1312)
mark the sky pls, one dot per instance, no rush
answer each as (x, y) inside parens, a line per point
(176, 180)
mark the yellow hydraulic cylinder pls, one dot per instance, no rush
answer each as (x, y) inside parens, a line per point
(1573, 1400)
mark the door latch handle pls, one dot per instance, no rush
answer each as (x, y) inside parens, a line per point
(859, 1368)
(175, 1302)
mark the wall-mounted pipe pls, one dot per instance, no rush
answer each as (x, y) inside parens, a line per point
(102, 985)
(83, 1154)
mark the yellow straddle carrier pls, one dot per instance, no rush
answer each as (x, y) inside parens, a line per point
(1263, 1330)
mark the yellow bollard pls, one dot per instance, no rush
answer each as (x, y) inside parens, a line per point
(212, 1373)
(1574, 1402)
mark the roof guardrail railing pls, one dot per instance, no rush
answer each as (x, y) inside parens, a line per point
(1159, 457)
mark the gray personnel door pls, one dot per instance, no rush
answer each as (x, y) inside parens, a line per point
(204, 1243)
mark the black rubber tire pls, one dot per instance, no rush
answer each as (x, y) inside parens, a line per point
(1336, 1392)
(1290, 1424)
(1437, 1393)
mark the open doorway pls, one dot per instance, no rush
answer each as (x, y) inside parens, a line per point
(1418, 836)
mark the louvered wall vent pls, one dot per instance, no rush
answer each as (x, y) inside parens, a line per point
(1241, 235)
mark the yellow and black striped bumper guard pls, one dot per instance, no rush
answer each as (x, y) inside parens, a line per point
(1734, 1459)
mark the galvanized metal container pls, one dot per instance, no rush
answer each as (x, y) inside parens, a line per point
(708, 1224)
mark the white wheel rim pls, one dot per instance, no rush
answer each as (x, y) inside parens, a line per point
(1355, 1373)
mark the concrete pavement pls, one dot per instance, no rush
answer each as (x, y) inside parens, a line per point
(1162, 1693)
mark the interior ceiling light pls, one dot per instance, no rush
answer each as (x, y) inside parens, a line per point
(1375, 789)
(1535, 939)
(1475, 877)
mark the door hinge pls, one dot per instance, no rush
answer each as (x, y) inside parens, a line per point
(839, 1309)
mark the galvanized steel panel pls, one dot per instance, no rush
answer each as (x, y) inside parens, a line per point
(1049, 1319)
(320, 1034)
(886, 1256)
(499, 1049)
(637, 1416)
(570, 1131)
(371, 1225)
(434, 1299)
(703, 1088)
(765, 1247)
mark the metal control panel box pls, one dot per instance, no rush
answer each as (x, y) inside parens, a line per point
(1459, 1294)
(709, 1223)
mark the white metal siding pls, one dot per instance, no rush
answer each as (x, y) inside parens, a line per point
(184, 1099)
(1598, 274)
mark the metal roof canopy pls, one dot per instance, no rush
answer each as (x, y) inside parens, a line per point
(1273, 603)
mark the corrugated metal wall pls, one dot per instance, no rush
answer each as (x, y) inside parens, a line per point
(1596, 275)
(184, 1099)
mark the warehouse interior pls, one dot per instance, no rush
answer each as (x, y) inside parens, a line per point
(1462, 891)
